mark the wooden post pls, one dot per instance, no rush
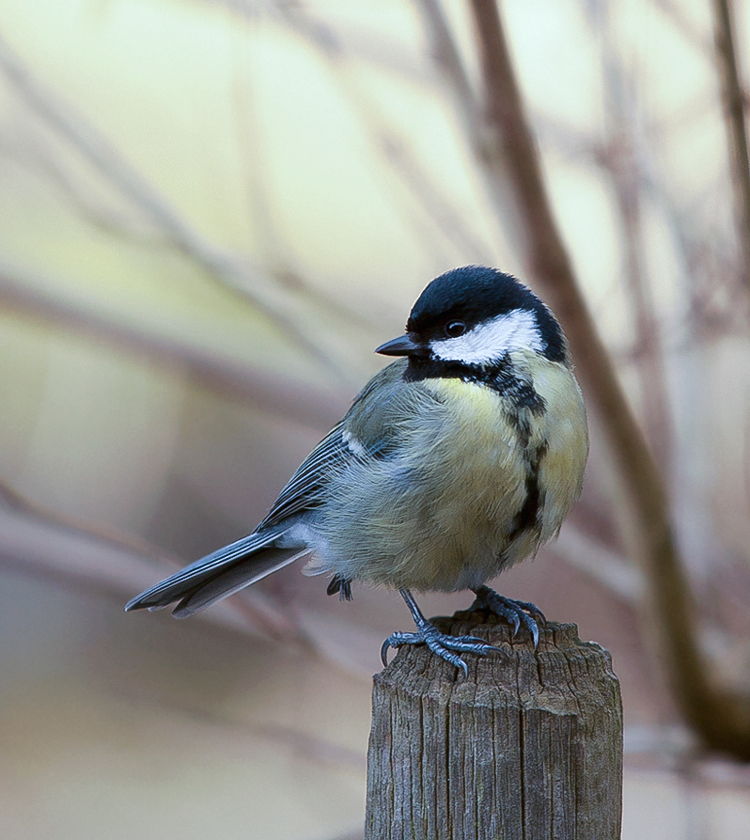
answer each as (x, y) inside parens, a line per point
(527, 747)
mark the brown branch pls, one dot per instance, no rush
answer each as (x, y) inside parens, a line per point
(468, 110)
(597, 560)
(304, 745)
(732, 95)
(722, 719)
(682, 22)
(447, 57)
(377, 49)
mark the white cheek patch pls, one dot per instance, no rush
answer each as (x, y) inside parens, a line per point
(491, 340)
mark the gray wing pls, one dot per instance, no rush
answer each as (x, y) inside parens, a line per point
(264, 551)
(364, 432)
(270, 546)
(305, 488)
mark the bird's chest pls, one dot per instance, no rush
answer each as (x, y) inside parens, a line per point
(486, 449)
(441, 510)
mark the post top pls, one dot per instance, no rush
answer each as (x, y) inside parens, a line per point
(519, 674)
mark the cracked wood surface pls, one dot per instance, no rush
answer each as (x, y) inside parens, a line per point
(529, 746)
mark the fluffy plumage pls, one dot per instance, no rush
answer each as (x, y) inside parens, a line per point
(453, 463)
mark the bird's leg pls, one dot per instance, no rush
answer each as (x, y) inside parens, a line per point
(440, 643)
(515, 612)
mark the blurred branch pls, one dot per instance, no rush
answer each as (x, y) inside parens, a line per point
(425, 190)
(732, 95)
(381, 51)
(601, 563)
(30, 151)
(33, 153)
(278, 258)
(39, 544)
(448, 59)
(33, 295)
(466, 105)
(266, 293)
(622, 164)
(681, 21)
(306, 747)
(708, 274)
(420, 184)
(721, 718)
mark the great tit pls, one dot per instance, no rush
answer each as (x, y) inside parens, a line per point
(454, 463)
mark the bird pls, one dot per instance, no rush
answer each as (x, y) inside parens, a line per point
(455, 462)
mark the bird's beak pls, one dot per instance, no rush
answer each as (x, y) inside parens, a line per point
(404, 345)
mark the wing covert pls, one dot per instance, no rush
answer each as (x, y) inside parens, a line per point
(367, 430)
(304, 488)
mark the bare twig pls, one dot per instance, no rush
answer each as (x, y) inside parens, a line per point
(622, 164)
(447, 57)
(35, 296)
(420, 184)
(469, 111)
(599, 562)
(37, 543)
(722, 719)
(708, 278)
(30, 151)
(682, 23)
(382, 52)
(732, 94)
(305, 746)
(289, 311)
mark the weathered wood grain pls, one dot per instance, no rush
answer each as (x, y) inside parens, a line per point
(527, 747)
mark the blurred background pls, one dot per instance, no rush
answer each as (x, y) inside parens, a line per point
(211, 212)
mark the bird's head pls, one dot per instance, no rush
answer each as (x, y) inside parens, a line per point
(476, 317)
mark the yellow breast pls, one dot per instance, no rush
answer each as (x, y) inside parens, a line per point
(477, 484)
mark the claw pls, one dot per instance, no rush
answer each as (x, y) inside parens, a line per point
(384, 652)
(533, 609)
(441, 644)
(515, 613)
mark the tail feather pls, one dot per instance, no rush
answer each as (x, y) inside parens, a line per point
(245, 573)
(219, 574)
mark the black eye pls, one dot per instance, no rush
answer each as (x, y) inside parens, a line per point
(455, 328)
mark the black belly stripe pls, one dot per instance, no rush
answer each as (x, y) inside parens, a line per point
(527, 517)
(521, 403)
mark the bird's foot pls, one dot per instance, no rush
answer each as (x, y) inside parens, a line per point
(516, 613)
(439, 643)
